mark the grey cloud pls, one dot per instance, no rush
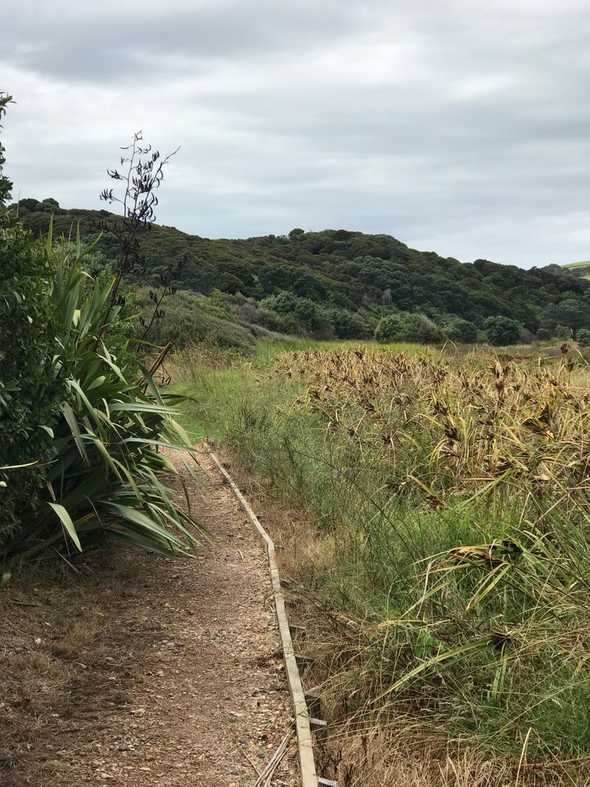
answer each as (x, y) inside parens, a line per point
(459, 126)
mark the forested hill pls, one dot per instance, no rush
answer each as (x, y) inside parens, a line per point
(347, 272)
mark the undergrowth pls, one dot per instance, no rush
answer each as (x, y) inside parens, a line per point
(450, 494)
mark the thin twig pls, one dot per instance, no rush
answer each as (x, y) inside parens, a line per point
(274, 762)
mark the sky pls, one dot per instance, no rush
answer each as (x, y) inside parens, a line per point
(457, 126)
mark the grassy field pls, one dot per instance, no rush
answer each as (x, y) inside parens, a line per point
(213, 380)
(585, 265)
(447, 493)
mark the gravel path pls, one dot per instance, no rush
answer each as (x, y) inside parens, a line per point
(171, 676)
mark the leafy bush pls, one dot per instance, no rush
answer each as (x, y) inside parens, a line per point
(275, 321)
(583, 337)
(459, 330)
(407, 327)
(563, 332)
(188, 318)
(349, 325)
(390, 328)
(297, 315)
(502, 330)
(31, 389)
(101, 448)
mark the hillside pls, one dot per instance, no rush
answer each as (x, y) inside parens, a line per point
(581, 269)
(339, 282)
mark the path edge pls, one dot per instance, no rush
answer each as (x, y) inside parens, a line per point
(302, 719)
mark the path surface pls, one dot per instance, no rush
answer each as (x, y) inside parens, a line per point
(181, 681)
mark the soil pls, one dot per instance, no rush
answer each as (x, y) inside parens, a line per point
(136, 669)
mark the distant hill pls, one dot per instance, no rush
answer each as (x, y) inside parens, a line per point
(581, 269)
(341, 271)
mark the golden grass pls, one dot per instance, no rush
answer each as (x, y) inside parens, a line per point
(437, 678)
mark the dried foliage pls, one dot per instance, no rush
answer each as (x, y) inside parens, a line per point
(451, 498)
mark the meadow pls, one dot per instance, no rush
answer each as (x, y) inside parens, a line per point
(445, 500)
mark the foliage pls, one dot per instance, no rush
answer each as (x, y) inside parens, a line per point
(583, 337)
(407, 327)
(502, 331)
(449, 502)
(337, 269)
(31, 389)
(188, 318)
(581, 269)
(102, 460)
(459, 330)
(571, 312)
(140, 180)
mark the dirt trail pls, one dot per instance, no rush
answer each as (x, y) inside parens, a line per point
(163, 672)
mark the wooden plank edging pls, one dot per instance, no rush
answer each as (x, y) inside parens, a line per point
(302, 721)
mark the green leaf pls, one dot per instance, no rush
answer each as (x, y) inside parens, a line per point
(66, 521)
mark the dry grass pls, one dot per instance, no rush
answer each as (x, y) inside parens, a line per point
(448, 556)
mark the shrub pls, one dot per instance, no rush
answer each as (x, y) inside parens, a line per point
(563, 332)
(348, 325)
(299, 315)
(460, 330)
(502, 330)
(407, 327)
(277, 321)
(31, 389)
(188, 318)
(390, 328)
(107, 421)
(583, 337)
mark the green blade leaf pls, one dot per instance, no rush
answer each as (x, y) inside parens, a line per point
(66, 521)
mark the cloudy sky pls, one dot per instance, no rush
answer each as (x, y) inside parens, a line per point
(459, 126)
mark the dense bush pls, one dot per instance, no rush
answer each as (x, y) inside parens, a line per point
(78, 404)
(188, 318)
(459, 330)
(289, 313)
(583, 337)
(351, 271)
(80, 422)
(407, 327)
(502, 331)
(30, 387)
(562, 332)
(349, 325)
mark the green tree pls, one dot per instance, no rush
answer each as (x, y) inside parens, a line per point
(407, 327)
(30, 388)
(28, 384)
(390, 328)
(583, 337)
(502, 330)
(460, 330)
(572, 312)
(563, 332)
(348, 325)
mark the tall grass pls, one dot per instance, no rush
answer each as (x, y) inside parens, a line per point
(450, 498)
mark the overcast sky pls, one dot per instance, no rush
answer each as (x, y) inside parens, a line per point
(459, 126)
